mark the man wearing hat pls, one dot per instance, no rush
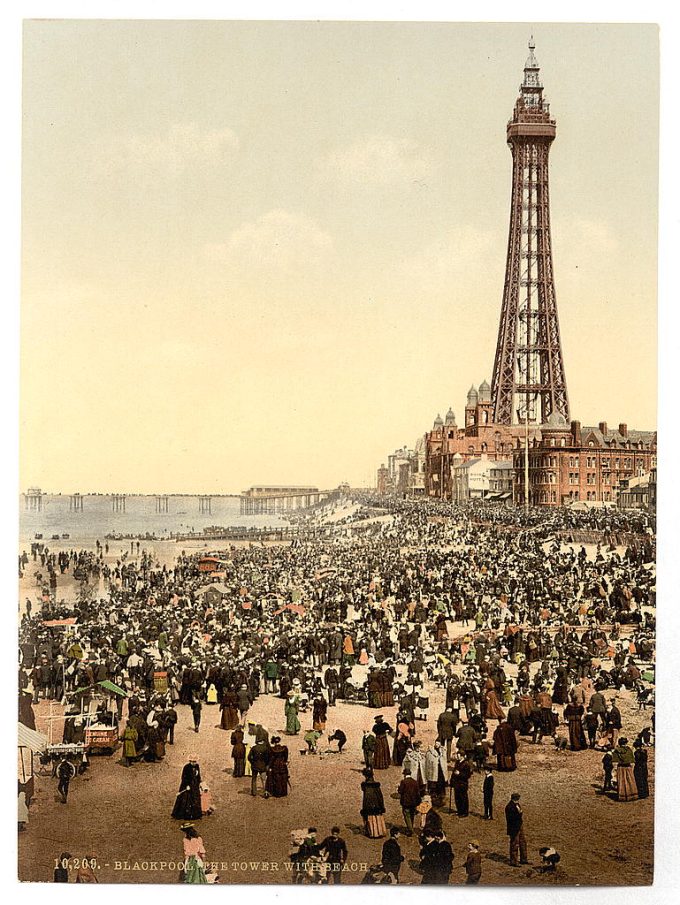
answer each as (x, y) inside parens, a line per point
(368, 748)
(514, 820)
(614, 723)
(409, 798)
(460, 782)
(259, 757)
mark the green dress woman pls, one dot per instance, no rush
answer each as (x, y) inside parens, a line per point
(291, 712)
(194, 856)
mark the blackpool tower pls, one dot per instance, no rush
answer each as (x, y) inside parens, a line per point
(529, 385)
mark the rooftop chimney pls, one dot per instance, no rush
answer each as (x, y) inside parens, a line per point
(623, 430)
(576, 432)
(603, 428)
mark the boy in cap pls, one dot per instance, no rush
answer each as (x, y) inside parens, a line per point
(473, 863)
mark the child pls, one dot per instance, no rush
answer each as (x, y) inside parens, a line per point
(560, 743)
(423, 809)
(339, 737)
(312, 737)
(473, 863)
(549, 858)
(206, 800)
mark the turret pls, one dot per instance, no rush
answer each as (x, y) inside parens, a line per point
(484, 415)
(471, 407)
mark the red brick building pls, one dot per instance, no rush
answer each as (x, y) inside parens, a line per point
(480, 436)
(569, 463)
(566, 462)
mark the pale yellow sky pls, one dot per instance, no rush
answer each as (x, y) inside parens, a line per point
(272, 252)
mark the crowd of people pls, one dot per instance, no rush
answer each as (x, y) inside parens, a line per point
(529, 637)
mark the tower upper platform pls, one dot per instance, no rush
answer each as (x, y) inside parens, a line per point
(531, 116)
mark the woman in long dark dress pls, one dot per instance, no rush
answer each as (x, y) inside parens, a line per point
(560, 687)
(188, 801)
(505, 746)
(640, 770)
(382, 758)
(573, 713)
(238, 752)
(372, 806)
(319, 714)
(493, 709)
(402, 740)
(277, 773)
(229, 708)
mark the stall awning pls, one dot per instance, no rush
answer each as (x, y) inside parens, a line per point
(29, 738)
(293, 607)
(113, 688)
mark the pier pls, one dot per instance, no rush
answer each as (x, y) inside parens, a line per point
(118, 502)
(33, 497)
(205, 505)
(278, 500)
(75, 502)
(162, 503)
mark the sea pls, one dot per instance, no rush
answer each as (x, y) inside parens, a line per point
(100, 516)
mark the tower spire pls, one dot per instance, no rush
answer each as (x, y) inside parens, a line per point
(528, 377)
(531, 89)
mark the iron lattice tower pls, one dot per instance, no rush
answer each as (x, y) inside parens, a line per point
(528, 376)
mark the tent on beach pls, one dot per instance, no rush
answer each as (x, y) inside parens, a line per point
(29, 743)
(213, 593)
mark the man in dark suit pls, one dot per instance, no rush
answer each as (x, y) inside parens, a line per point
(514, 820)
(444, 858)
(446, 729)
(459, 782)
(487, 789)
(409, 798)
(598, 706)
(336, 853)
(614, 722)
(428, 859)
(392, 857)
(331, 681)
(259, 757)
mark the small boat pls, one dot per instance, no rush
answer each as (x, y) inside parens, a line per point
(65, 536)
(38, 536)
(55, 537)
